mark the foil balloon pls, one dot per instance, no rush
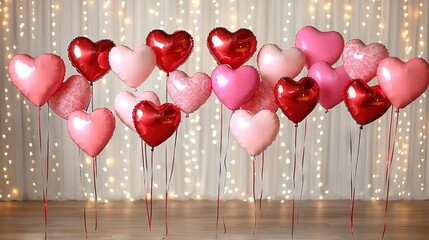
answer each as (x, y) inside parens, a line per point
(89, 58)
(234, 87)
(361, 61)
(171, 50)
(365, 103)
(37, 78)
(331, 82)
(263, 99)
(91, 131)
(275, 63)
(296, 99)
(125, 103)
(132, 67)
(73, 95)
(189, 93)
(403, 82)
(155, 124)
(319, 46)
(229, 48)
(254, 133)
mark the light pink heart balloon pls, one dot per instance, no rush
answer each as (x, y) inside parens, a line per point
(361, 61)
(275, 63)
(132, 67)
(319, 46)
(73, 95)
(403, 82)
(234, 87)
(263, 99)
(125, 103)
(37, 79)
(189, 93)
(91, 131)
(331, 82)
(254, 133)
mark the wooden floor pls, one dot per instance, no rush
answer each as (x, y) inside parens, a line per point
(197, 220)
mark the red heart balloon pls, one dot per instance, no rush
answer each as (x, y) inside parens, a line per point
(296, 99)
(89, 58)
(171, 50)
(155, 124)
(365, 103)
(229, 48)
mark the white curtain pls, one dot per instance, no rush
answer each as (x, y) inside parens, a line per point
(36, 27)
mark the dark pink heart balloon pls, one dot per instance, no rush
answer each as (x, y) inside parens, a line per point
(37, 78)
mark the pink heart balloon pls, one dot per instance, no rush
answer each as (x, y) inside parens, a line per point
(403, 82)
(132, 67)
(331, 82)
(234, 87)
(73, 95)
(275, 63)
(37, 79)
(361, 61)
(189, 93)
(319, 46)
(254, 133)
(263, 99)
(91, 131)
(125, 103)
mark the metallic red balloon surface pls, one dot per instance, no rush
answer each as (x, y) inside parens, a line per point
(365, 103)
(155, 124)
(229, 48)
(89, 58)
(296, 99)
(171, 50)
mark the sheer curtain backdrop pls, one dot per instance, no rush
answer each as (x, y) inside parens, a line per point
(36, 27)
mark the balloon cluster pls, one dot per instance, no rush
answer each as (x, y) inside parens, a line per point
(252, 95)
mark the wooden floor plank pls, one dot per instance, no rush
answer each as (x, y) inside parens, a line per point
(195, 219)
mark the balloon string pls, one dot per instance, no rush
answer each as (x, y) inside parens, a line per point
(388, 176)
(167, 190)
(151, 188)
(302, 169)
(45, 197)
(220, 166)
(262, 182)
(254, 193)
(351, 163)
(352, 207)
(294, 179)
(84, 203)
(389, 144)
(144, 164)
(225, 164)
(92, 96)
(39, 128)
(94, 174)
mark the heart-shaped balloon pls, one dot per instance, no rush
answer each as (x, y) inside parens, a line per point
(37, 79)
(73, 95)
(361, 61)
(234, 87)
(132, 67)
(125, 103)
(319, 46)
(263, 99)
(403, 82)
(331, 82)
(365, 103)
(155, 124)
(171, 50)
(229, 48)
(189, 93)
(89, 58)
(296, 99)
(91, 131)
(254, 133)
(275, 63)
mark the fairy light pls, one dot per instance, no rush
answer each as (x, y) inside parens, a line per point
(327, 8)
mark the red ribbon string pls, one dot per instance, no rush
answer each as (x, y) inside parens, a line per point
(388, 170)
(92, 96)
(302, 170)
(352, 207)
(84, 203)
(262, 182)
(294, 179)
(167, 190)
(254, 192)
(94, 174)
(144, 164)
(45, 197)
(151, 188)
